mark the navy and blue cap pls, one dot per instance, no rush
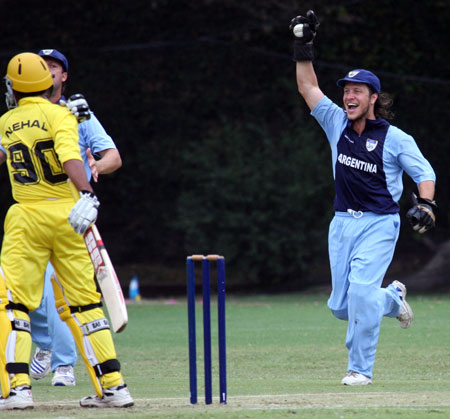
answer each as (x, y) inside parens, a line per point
(53, 53)
(361, 76)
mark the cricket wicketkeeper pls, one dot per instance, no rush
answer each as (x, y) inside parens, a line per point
(369, 156)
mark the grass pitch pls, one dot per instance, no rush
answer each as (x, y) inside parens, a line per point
(286, 356)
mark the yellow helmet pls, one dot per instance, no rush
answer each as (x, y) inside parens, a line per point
(28, 73)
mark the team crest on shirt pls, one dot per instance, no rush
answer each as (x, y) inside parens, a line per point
(371, 144)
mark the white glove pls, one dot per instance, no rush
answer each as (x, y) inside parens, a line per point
(84, 212)
(78, 105)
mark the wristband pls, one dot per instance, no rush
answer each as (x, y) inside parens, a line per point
(91, 194)
(303, 52)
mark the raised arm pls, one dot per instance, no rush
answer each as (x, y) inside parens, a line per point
(307, 83)
(304, 30)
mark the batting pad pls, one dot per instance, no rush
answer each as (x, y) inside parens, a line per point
(65, 315)
(93, 337)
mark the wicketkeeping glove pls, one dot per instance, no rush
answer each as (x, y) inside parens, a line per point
(421, 215)
(78, 105)
(84, 213)
(304, 30)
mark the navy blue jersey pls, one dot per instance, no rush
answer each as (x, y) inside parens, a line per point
(368, 169)
(359, 175)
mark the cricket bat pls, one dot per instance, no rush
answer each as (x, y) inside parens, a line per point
(105, 273)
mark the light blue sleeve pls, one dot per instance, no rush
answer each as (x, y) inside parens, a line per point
(401, 153)
(333, 121)
(331, 118)
(92, 135)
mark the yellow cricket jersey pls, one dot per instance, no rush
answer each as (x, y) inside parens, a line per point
(39, 137)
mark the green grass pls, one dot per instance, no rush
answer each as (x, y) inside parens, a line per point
(286, 356)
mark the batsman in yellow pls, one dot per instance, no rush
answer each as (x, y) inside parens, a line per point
(41, 143)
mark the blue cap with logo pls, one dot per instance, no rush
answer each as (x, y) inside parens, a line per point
(56, 55)
(361, 76)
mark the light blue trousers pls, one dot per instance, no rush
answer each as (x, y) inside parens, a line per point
(48, 331)
(361, 250)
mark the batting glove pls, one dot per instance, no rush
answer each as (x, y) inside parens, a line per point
(78, 105)
(304, 30)
(84, 213)
(421, 215)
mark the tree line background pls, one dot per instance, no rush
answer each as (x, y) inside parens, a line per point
(220, 154)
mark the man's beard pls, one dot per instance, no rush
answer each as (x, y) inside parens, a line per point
(363, 116)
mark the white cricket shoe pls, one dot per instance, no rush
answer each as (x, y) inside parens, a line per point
(64, 376)
(118, 396)
(40, 366)
(406, 315)
(356, 379)
(19, 398)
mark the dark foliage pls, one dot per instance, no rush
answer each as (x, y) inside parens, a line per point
(219, 152)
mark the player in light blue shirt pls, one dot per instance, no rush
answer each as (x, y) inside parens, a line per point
(369, 157)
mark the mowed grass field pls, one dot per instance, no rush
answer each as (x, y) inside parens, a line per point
(286, 357)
